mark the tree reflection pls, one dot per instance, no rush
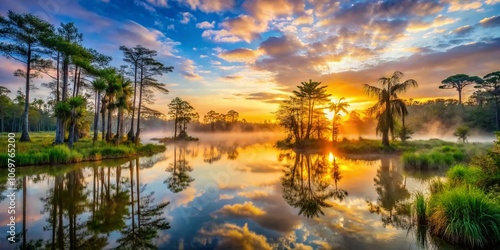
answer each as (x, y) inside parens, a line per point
(215, 152)
(180, 168)
(146, 217)
(212, 154)
(339, 194)
(307, 184)
(64, 202)
(392, 193)
(108, 201)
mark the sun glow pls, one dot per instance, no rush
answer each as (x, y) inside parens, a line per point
(331, 157)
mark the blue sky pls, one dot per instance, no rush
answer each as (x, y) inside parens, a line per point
(248, 54)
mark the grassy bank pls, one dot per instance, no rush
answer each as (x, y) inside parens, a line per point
(442, 157)
(458, 151)
(40, 151)
(465, 209)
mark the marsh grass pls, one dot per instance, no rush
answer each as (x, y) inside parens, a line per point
(465, 215)
(420, 208)
(436, 185)
(40, 151)
(438, 158)
(463, 175)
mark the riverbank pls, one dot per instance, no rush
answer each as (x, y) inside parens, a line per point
(370, 146)
(465, 208)
(41, 151)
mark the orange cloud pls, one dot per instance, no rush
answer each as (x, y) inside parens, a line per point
(239, 55)
(244, 27)
(266, 10)
(463, 5)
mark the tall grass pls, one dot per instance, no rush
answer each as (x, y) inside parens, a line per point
(460, 175)
(436, 185)
(437, 158)
(465, 215)
(40, 151)
(420, 208)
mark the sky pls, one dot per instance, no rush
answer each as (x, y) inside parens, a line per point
(248, 55)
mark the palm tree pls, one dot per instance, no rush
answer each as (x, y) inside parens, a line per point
(123, 103)
(76, 104)
(314, 94)
(337, 107)
(459, 81)
(113, 88)
(388, 103)
(98, 85)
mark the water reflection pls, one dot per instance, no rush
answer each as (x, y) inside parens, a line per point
(310, 181)
(82, 215)
(221, 196)
(392, 204)
(179, 169)
(214, 152)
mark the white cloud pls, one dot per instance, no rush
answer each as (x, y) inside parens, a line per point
(205, 25)
(186, 17)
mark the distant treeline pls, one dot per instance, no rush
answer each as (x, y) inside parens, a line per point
(433, 116)
(41, 119)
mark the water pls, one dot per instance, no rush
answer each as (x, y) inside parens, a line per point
(222, 195)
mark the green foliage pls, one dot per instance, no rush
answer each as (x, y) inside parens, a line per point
(41, 151)
(420, 208)
(462, 132)
(465, 215)
(437, 158)
(463, 175)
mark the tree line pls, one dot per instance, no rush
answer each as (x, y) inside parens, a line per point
(303, 114)
(59, 54)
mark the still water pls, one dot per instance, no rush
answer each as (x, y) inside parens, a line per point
(218, 195)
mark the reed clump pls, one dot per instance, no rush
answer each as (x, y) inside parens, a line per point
(461, 210)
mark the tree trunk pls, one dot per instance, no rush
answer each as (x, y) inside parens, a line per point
(110, 124)
(138, 133)
(61, 124)
(118, 124)
(25, 136)
(72, 124)
(78, 82)
(130, 135)
(103, 114)
(96, 116)
(175, 127)
(459, 95)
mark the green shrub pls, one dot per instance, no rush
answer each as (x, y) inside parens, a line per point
(465, 215)
(460, 174)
